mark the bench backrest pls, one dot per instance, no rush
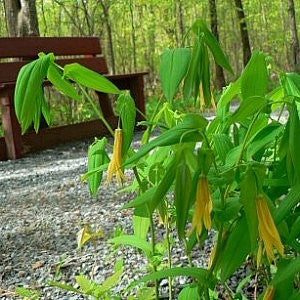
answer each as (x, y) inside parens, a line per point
(84, 50)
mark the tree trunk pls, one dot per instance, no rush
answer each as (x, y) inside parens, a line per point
(105, 8)
(133, 36)
(21, 18)
(295, 40)
(244, 31)
(219, 78)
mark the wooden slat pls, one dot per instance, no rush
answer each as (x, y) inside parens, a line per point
(50, 137)
(2, 149)
(31, 46)
(9, 71)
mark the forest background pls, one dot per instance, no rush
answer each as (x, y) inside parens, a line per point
(134, 33)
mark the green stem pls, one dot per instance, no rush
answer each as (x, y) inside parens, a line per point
(152, 230)
(96, 109)
(188, 255)
(169, 253)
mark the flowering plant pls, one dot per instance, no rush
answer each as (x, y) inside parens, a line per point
(237, 175)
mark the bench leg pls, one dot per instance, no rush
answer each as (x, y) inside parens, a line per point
(11, 127)
(105, 105)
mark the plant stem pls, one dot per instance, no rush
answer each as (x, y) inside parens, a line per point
(188, 254)
(169, 253)
(97, 110)
(152, 230)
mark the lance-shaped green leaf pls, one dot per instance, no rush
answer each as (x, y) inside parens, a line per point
(248, 108)
(189, 292)
(222, 145)
(205, 77)
(263, 138)
(211, 41)
(29, 96)
(248, 199)
(287, 204)
(294, 141)
(193, 77)
(97, 157)
(126, 110)
(173, 67)
(291, 84)
(134, 241)
(185, 132)
(54, 75)
(183, 189)
(153, 196)
(255, 78)
(231, 91)
(236, 250)
(90, 79)
(197, 273)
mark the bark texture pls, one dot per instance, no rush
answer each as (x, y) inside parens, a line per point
(21, 18)
(244, 31)
(219, 77)
(295, 40)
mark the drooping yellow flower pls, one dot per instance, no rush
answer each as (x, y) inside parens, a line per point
(260, 252)
(203, 206)
(269, 294)
(202, 98)
(267, 229)
(212, 256)
(115, 165)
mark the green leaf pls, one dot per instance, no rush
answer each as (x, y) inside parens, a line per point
(248, 199)
(86, 285)
(54, 75)
(141, 226)
(222, 145)
(287, 271)
(173, 67)
(127, 112)
(248, 108)
(288, 203)
(291, 84)
(64, 286)
(232, 90)
(193, 77)
(153, 196)
(236, 250)
(182, 192)
(197, 273)
(133, 241)
(255, 77)
(187, 131)
(294, 141)
(29, 97)
(111, 281)
(211, 41)
(205, 78)
(97, 157)
(189, 292)
(90, 79)
(265, 137)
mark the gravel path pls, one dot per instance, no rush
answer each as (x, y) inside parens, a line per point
(43, 204)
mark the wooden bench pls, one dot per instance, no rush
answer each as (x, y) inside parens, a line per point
(86, 51)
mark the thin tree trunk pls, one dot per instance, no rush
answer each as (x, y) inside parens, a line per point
(105, 9)
(295, 40)
(181, 21)
(244, 31)
(219, 78)
(133, 37)
(21, 18)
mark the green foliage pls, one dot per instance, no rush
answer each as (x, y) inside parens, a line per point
(238, 175)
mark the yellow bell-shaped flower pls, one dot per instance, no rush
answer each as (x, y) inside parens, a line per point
(203, 206)
(267, 229)
(115, 165)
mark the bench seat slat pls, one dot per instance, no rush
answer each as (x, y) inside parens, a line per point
(31, 46)
(9, 71)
